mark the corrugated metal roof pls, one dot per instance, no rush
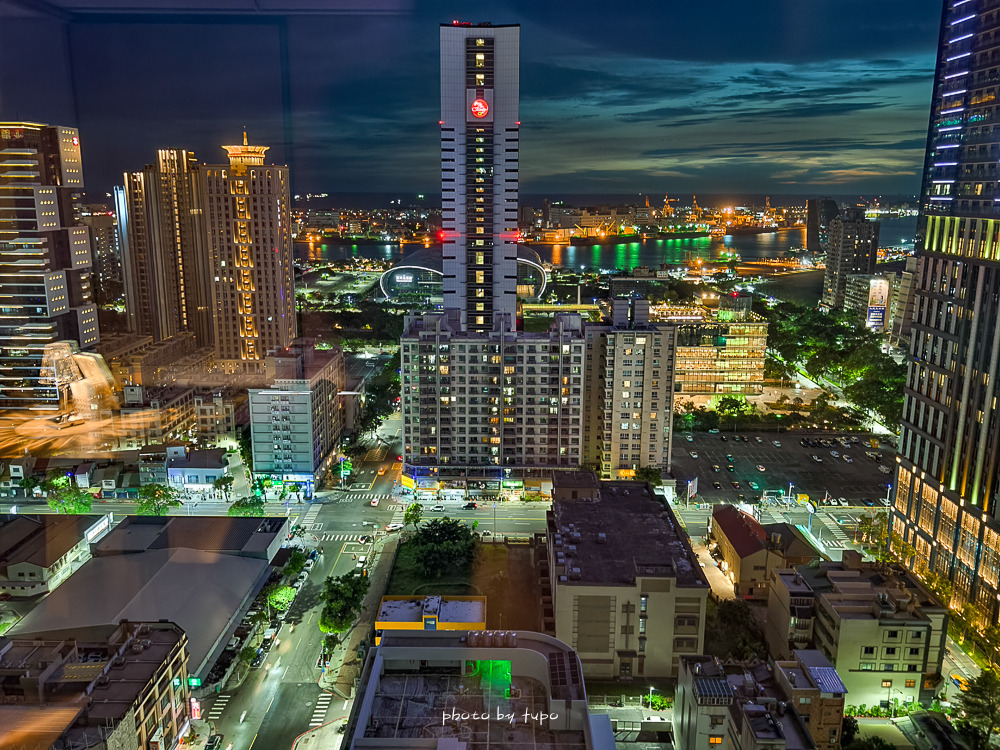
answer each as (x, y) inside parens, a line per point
(827, 679)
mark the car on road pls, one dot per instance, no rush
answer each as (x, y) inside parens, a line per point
(470, 506)
(393, 527)
(694, 454)
(214, 742)
(736, 485)
(960, 682)
(364, 540)
(754, 486)
(438, 509)
(717, 485)
(760, 467)
(381, 470)
(374, 502)
(776, 443)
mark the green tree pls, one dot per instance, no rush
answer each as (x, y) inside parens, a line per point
(224, 484)
(156, 500)
(940, 585)
(296, 562)
(651, 474)
(281, 597)
(63, 496)
(247, 506)
(343, 597)
(444, 545)
(848, 731)
(730, 630)
(733, 407)
(247, 655)
(29, 484)
(981, 703)
(413, 515)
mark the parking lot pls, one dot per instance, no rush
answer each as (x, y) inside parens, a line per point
(788, 463)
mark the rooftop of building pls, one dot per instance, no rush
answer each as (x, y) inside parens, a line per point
(206, 458)
(794, 582)
(748, 537)
(853, 586)
(247, 536)
(200, 591)
(627, 532)
(409, 707)
(448, 609)
(41, 540)
(574, 479)
(110, 667)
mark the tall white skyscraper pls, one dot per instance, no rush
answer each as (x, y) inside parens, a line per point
(480, 74)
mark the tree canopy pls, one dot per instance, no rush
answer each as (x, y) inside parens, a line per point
(157, 500)
(247, 506)
(413, 514)
(981, 703)
(444, 545)
(343, 597)
(63, 496)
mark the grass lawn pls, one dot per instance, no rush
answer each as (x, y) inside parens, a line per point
(487, 573)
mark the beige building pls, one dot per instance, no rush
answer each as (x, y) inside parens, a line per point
(750, 552)
(475, 404)
(122, 686)
(627, 591)
(791, 612)
(247, 214)
(793, 705)
(882, 628)
(629, 392)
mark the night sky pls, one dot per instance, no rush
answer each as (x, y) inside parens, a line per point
(778, 96)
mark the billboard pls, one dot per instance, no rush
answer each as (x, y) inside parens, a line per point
(406, 481)
(878, 300)
(692, 488)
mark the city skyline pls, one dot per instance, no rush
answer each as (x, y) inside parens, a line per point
(771, 100)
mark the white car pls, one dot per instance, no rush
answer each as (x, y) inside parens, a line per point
(817, 459)
(694, 455)
(689, 438)
(835, 454)
(438, 509)
(374, 502)
(309, 565)
(885, 469)
(847, 459)
(777, 443)
(393, 527)
(760, 467)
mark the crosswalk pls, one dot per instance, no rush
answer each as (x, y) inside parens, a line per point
(322, 706)
(215, 712)
(836, 531)
(339, 537)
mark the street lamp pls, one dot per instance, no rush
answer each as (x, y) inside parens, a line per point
(650, 699)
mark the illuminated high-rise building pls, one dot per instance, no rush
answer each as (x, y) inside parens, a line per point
(851, 248)
(247, 215)
(165, 264)
(45, 260)
(947, 490)
(480, 80)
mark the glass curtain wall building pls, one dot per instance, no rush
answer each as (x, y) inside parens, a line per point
(947, 482)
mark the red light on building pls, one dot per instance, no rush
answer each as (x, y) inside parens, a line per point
(480, 108)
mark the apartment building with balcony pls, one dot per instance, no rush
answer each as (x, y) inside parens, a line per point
(627, 591)
(880, 626)
(296, 424)
(791, 612)
(491, 404)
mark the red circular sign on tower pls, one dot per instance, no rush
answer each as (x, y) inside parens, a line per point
(480, 108)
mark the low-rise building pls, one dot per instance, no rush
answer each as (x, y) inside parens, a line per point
(197, 470)
(121, 686)
(879, 625)
(794, 705)
(505, 688)
(749, 552)
(627, 591)
(791, 612)
(37, 553)
(430, 613)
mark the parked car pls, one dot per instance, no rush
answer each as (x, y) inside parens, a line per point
(736, 485)
(729, 457)
(717, 485)
(754, 486)
(817, 459)
(214, 742)
(694, 455)
(310, 563)
(835, 454)
(731, 467)
(713, 432)
(760, 467)
(848, 459)
(885, 469)
(759, 439)
(689, 438)
(715, 467)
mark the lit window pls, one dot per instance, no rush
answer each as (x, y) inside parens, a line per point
(887, 683)
(715, 739)
(480, 60)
